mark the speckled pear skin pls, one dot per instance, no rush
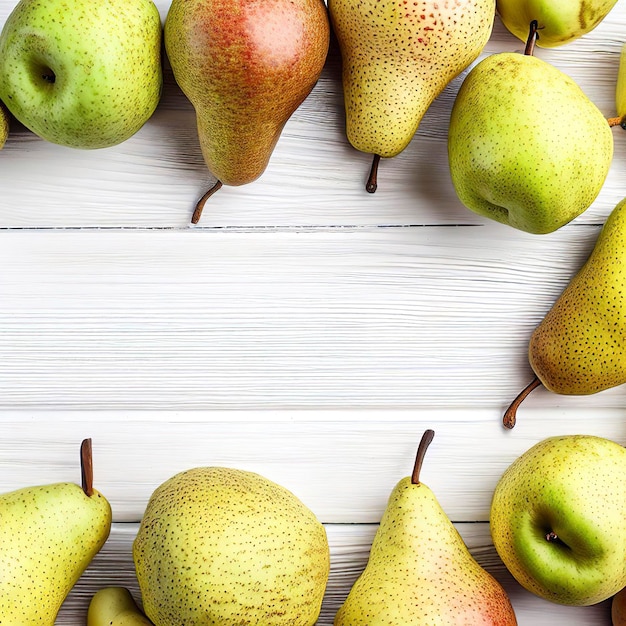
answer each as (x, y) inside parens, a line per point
(579, 347)
(573, 486)
(105, 56)
(48, 536)
(559, 21)
(246, 66)
(397, 57)
(227, 547)
(420, 572)
(620, 88)
(526, 146)
(4, 125)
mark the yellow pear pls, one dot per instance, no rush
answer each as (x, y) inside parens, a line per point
(115, 606)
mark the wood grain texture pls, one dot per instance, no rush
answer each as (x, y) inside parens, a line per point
(349, 552)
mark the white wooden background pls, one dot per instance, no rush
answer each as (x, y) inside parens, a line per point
(305, 329)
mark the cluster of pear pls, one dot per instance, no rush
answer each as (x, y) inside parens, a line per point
(89, 75)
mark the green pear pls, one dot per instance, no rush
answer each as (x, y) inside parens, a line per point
(557, 519)
(115, 606)
(245, 67)
(226, 546)
(420, 571)
(397, 58)
(4, 125)
(82, 73)
(526, 146)
(48, 536)
(559, 21)
(620, 89)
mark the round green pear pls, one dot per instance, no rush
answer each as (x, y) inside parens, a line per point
(82, 73)
(526, 146)
(559, 21)
(557, 519)
(226, 546)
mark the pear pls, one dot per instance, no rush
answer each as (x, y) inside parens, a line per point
(526, 146)
(620, 92)
(225, 546)
(559, 21)
(48, 536)
(115, 606)
(396, 59)
(245, 67)
(579, 348)
(4, 125)
(557, 519)
(420, 571)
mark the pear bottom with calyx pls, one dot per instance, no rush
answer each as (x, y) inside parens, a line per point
(115, 606)
(420, 571)
(226, 546)
(48, 536)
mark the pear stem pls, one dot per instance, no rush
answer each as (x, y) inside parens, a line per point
(533, 35)
(617, 121)
(427, 437)
(510, 414)
(195, 218)
(86, 467)
(372, 181)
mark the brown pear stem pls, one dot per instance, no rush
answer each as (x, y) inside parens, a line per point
(86, 467)
(510, 415)
(427, 437)
(372, 181)
(617, 121)
(533, 35)
(195, 218)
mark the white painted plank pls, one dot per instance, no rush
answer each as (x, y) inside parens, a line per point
(431, 317)
(314, 177)
(342, 464)
(349, 551)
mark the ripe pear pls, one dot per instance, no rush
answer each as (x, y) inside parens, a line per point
(620, 89)
(115, 606)
(4, 125)
(557, 519)
(397, 58)
(82, 73)
(420, 571)
(559, 21)
(226, 546)
(48, 536)
(526, 146)
(246, 67)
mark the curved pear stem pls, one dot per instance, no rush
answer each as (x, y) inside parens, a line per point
(427, 437)
(86, 467)
(372, 181)
(510, 415)
(617, 121)
(195, 218)
(533, 35)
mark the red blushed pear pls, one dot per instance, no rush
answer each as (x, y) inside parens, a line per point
(246, 66)
(420, 571)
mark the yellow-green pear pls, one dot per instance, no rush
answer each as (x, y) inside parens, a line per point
(48, 536)
(226, 546)
(526, 146)
(4, 125)
(559, 21)
(557, 519)
(397, 58)
(620, 89)
(419, 569)
(115, 606)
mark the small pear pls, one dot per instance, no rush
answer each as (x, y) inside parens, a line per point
(397, 58)
(579, 348)
(620, 90)
(48, 536)
(559, 21)
(420, 571)
(226, 546)
(115, 606)
(526, 146)
(4, 125)
(245, 67)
